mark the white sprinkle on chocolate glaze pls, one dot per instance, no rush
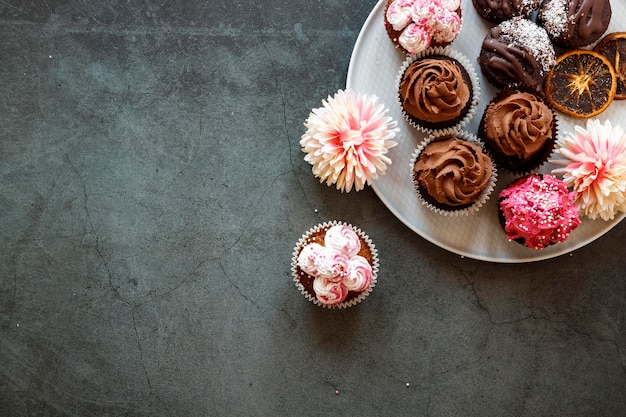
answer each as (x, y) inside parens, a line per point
(525, 33)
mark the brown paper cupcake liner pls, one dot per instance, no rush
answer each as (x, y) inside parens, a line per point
(304, 281)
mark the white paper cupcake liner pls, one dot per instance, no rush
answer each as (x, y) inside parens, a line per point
(471, 71)
(484, 196)
(296, 271)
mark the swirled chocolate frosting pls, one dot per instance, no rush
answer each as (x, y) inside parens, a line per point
(518, 125)
(434, 90)
(453, 171)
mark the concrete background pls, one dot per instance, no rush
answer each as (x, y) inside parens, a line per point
(152, 190)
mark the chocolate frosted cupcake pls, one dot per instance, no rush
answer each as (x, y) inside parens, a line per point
(516, 51)
(452, 174)
(497, 11)
(416, 25)
(575, 23)
(335, 265)
(519, 128)
(437, 90)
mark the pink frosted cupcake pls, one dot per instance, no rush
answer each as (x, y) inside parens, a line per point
(593, 164)
(537, 211)
(347, 140)
(416, 25)
(335, 265)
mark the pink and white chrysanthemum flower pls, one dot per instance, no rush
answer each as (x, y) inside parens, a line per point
(347, 140)
(593, 164)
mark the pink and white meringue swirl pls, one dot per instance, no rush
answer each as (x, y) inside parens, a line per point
(415, 38)
(359, 275)
(331, 264)
(451, 5)
(593, 164)
(343, 239)
(425, 12)
(329, 292)
(307, 259)
(446, 27)
(399, 14)
(347, 140)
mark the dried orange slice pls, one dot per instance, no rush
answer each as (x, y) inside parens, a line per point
(582, 83)
(613, 47)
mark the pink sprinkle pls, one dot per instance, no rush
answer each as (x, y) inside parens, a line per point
(336, 392)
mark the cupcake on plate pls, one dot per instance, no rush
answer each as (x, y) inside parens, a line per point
(519, 127)
(516, 51)
(335, 265)
(592, 162)
(537, 211)
(438, 89)
(452, 174)
(416, 25)
(575, 23)
(497, 11)
(347, 140)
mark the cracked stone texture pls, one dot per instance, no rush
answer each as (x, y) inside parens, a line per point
(152, 191)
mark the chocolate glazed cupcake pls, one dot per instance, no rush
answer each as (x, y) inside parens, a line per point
(516, 51)
(575, 23)
(519, 128)
(497, 11)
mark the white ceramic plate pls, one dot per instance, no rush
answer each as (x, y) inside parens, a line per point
(373, 69)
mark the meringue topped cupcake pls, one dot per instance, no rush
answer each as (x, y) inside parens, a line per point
(416, 25)
(537, 211)
(592, 162)
(335, 265)
(347, 140)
